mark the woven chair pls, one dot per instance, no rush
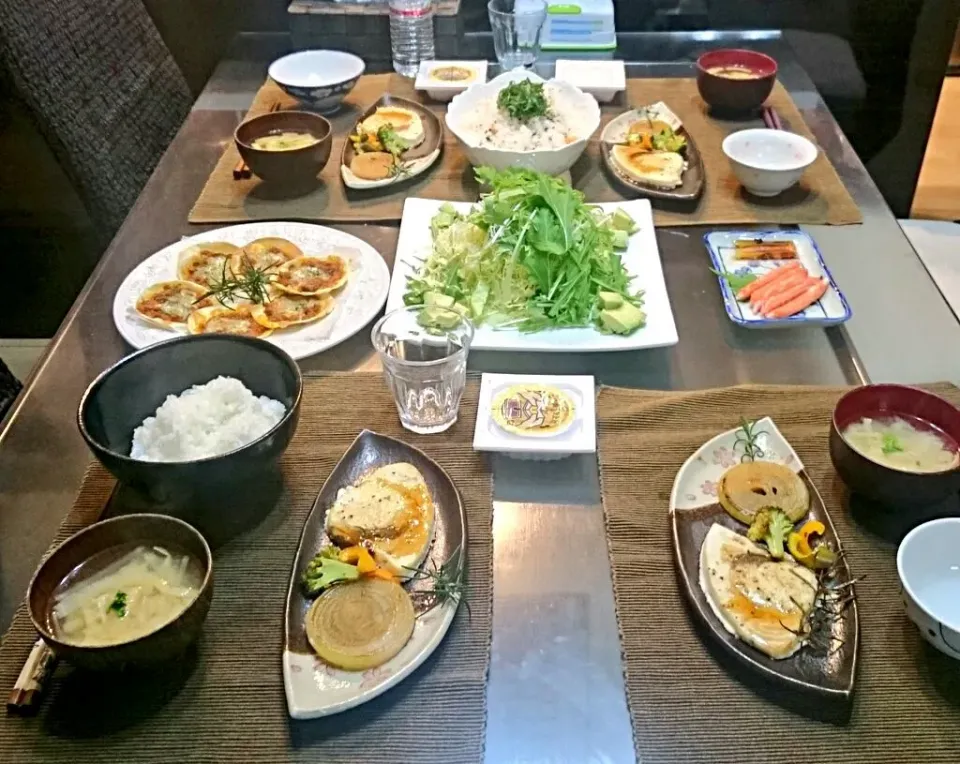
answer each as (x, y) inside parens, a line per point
(103, 88)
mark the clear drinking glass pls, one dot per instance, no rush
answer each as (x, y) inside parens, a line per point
(425, 368)
(516, 26)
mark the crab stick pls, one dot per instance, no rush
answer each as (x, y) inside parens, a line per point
(776, 273)
(782, 298)
(813, 293)
(761, 298)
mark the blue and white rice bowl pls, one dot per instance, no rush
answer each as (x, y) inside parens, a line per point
(320, 79)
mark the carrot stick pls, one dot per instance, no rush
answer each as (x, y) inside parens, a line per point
(782, 298)
(779, 286)
(802, 302)
(766, 278)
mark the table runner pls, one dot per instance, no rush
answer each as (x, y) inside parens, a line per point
(686, 706)
(225, 701)
(820, 197)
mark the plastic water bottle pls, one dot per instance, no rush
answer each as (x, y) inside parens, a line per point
(411, 34)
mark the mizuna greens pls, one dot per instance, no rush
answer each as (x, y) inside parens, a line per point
(531, 255)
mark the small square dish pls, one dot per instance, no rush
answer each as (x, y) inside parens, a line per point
(780, 277)
(529, 416)
(444, 79)
(601, 79)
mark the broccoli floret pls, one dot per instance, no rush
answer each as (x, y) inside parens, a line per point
(758, 528)
(777, 531)
(325, 570)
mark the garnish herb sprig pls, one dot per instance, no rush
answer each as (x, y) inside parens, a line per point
(119, 605)
(448, 583)
(747, 438)
(523, 100)
(252, 284)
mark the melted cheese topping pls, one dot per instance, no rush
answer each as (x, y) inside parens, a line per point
(170, 301)
(312, 275)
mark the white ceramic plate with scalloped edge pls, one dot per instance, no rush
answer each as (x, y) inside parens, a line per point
(357, 304)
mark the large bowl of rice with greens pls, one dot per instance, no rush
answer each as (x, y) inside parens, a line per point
(521, 120)
(193, 417)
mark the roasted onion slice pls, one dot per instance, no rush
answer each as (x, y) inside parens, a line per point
(358, 626)
(749, 487)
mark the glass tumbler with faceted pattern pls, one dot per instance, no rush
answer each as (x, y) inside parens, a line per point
(424, 364)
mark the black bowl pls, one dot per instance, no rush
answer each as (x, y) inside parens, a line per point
(730, 96)
(123, 534)
(895, 489)
(118, 401)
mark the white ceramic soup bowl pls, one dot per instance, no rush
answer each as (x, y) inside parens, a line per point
(549, 161)
(319, 78)
(928, 562)
(767, 162)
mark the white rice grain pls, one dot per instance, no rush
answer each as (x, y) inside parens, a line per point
(204, 421)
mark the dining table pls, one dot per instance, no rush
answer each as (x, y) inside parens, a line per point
(555, 690)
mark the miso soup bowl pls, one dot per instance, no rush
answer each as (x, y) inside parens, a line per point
(123, 533)
(891, 487)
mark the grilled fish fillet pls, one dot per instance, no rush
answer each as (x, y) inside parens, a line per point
(758, 599)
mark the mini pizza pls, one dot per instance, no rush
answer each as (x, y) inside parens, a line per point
(206, 264)
(170, 303)
(220, 320)
(263, 254)
(312, 275)
(289, 310)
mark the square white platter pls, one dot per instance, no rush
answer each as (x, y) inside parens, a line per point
(641, 260)
(580, 438)
(829, 310)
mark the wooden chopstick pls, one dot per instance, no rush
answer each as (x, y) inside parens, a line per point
(241, 170)
(771, 119)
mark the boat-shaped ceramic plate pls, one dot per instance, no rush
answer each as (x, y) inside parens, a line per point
(827, 672)
(693, 177)
(829, 310)
(316, 689)
(415, 162)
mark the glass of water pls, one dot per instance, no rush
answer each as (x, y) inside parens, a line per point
(517, 26)
(424, 355)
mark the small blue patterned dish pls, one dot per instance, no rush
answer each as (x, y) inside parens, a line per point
(319, 78)
(831, 309)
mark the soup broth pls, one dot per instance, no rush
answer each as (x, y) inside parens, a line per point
(900, 444)
(114, 597)
(286, 140)
(734, 72)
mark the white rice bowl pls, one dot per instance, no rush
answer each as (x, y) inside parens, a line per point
(474, 111)
(205, 421)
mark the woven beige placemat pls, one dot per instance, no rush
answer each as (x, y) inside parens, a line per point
(820, 197)
(685, 705)
(225, 701)
(225, 200)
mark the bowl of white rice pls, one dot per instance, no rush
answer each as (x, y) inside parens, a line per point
(549, 144)
(193, 416)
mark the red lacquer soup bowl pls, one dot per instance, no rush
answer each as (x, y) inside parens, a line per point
(886, 485)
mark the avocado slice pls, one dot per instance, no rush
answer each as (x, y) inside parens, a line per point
(609, 300)
(436, 317)
(623, 319)
(622, 221)
(621, 239)
(437, 300)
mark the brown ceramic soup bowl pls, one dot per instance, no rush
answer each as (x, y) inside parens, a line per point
(123, 534)
(728, 95)
(291, 166)
(885, 485)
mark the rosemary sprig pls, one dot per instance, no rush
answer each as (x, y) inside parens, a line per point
(448, 583)
(747, 437)
(252, 284)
